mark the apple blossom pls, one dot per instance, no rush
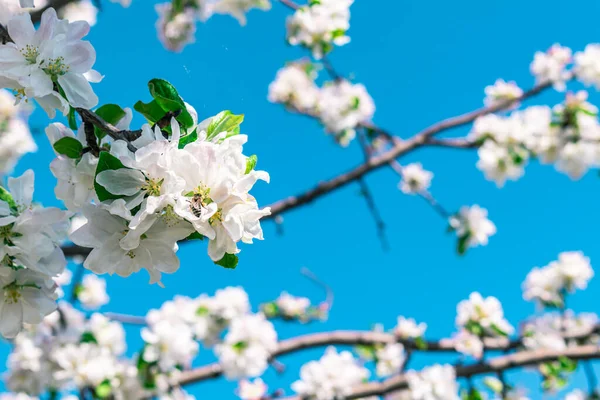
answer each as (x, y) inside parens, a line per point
(333, 376)
(415, 179)
(437, 382)
(501, 91)
(551, 66)
(53, 56)
(320, 26)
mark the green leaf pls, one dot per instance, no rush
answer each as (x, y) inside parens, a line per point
(498, 331)
(420, 343)
(177, 7)
(224, 121)
(567, 364)
(270, 309)
(103, 390)
(68, 146)
(112, 114)
(168, 99)
(152, 111)
(202, 310)
(240, 346)
(88, 337)
(463, 244)
(474, 327)
(187, 139)
(72, 119)
(195, 236)
(251, 163)
(229, 261)
(7, 197)
(106, 161)
(365, 351)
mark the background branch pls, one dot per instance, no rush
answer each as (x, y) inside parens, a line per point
(352, 338)
(498, 364)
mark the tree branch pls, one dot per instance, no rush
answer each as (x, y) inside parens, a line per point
(400, 148)
(351, 338)
(36, 15)
(498, 364)
(290, 4)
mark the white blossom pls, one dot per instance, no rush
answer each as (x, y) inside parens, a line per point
(320, 25)
(61, 280)
(80, 11)
(415, 179)
(486, 313)
(92, 292)
(499, 164)
(175, 31)
(576, 394)
(407, 328)
(292, 306)
(52, 55)
(389, 359)
(472, 225)
(254, 390)
(551, 66)
(169, 344)
(107, 333)
(246, 348)
(294, 86)
(332, 377)
(468, 344)
(437, 382)
(546, 285)
(587, 65)
(15, 137)
(501, 92)
(342, 107)
(237, 8)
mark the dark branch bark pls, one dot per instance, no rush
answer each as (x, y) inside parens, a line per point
(498, 364)
(36, 15)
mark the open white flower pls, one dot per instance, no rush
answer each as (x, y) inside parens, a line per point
(551, 66)
(472, 225)
(118, 250)
(92, 292)
(26, 297)
(415, 179)
(332, 377)
(53, 54)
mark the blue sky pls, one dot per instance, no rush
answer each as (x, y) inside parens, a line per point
(421, 61)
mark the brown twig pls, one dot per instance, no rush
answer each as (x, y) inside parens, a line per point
(36, 15)
(370, 200)
(290, 4)
(400, 148)
(329, 295)
(502, 363)
(126, 318)
(351, 338)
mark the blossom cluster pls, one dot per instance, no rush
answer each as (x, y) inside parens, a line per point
(549, 285)
(341, 106)
(437, 382)
(144, 202)
(479, 318)
(30, 255)
(290, 307)
(332, 377)
(68, 350)
(176, 25)
(15, 137)
(320, 25)
(52, 64)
